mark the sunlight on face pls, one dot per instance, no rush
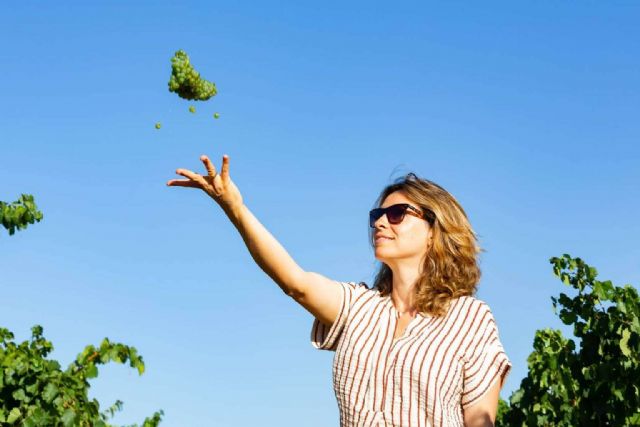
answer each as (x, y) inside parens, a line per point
(407, 240)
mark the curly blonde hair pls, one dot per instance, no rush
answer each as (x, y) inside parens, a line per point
(451, 263)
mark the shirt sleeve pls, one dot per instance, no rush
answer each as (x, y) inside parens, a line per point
(485, 360)
(325, 338)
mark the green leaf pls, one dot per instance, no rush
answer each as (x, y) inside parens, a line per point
(50, 392)
(32, 389)
(603, 290)
(37, 418)
(624, 343)
(14, 415)
(91, 371)
(633, 420)
(618, 394)
(68, 417)
(568, 317)
(114, 354)
(19, 394)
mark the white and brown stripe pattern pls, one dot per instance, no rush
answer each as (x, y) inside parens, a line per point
(426, 377)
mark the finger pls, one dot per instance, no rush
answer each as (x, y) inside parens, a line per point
(225, 168)
(183, 183)
(196, 177)
(192, 176)
(187, 173)
(211, 169)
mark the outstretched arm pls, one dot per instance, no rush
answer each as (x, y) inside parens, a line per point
(320, 296)
(267, 252)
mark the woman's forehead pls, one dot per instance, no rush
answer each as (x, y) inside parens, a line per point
(395, 198)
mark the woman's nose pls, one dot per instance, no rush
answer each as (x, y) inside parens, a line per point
(382, 221)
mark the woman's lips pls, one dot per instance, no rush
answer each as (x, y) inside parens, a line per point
(381, 239)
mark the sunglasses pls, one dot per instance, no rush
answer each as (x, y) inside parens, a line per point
(395, 214)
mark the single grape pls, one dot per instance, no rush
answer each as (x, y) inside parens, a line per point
(192, 109)
(158, 125)
(216, 115)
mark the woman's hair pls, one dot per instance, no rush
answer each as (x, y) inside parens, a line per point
(450, 267)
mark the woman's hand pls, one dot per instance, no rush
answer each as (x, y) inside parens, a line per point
(218, 186)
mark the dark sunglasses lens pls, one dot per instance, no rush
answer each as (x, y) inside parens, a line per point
(395, 213)
(374, 215)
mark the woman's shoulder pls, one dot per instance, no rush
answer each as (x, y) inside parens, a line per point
(361, 291)
(472, 299)
(359, 286)
(473, 304)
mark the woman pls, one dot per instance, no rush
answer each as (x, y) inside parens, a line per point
(416, 350)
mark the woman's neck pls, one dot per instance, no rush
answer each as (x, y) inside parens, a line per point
(402, 292)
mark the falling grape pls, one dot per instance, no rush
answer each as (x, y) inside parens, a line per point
(192, 109)
(158, 125)
(216, 115)
(186, 81)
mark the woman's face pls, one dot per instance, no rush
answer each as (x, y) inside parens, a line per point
(406, 241)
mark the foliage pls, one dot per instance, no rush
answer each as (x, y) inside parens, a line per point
(17, 215)
(35, 391)
(595, 385)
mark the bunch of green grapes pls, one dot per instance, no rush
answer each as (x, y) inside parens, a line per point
(186, 81)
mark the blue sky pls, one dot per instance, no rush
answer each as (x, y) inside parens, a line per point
(524, 112)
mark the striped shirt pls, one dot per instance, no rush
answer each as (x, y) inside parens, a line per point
(426, 377)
